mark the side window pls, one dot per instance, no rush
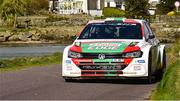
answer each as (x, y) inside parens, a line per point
(150, 31)
(146, 31)
(85, 32)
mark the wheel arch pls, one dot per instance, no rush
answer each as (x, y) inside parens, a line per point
(150, 70)
(146, 50)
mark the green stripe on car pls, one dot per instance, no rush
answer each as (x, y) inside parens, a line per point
(106, 47)
(119, 19)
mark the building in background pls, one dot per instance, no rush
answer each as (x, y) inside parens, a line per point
(53, 5)
(152, 9)
(91, 7)
(95, 7)
(115, 3)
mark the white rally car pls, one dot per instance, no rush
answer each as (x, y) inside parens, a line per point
(114, 48)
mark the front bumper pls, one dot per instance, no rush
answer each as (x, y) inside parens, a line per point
(136, 68)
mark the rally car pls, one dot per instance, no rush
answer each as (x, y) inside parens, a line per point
(114, 48)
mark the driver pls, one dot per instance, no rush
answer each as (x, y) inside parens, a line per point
(110, 32)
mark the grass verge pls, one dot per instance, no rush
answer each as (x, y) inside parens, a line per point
(169, 87)
(27, 62)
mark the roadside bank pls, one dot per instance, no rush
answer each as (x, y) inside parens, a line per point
(29, 62)
(168, 88)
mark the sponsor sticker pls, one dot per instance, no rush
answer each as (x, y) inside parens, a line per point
(75, 72)
(118, 60)
(104, 46)
(68, 62)
(141, 61)
(137, 68)
(69, 68)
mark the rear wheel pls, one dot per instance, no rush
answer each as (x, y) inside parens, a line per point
(164, 62)
(163, 68)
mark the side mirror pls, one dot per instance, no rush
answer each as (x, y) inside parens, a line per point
(151, 36)
(73, 37)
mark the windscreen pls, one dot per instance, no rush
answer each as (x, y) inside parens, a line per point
(112, 31)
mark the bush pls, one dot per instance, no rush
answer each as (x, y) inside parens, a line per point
(172, 13)
(54, 18)
(177, 13)
(113, 12)
(34, 6)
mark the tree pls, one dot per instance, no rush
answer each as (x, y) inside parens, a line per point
(10, 9)
(136, 8)
(165, 6)
(113, 12)
(34, 6)
(1, 2)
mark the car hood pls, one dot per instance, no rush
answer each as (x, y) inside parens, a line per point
(107, 47)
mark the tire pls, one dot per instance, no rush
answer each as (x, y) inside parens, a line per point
(163, 69)
(69, 80)
(164, 65)
(150, 76)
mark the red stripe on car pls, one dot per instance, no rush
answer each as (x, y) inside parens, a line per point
(128, 60)
(77, 61)
(142, 28)
(76, 49)
(131, 49)
(130, 21)
(92, 74)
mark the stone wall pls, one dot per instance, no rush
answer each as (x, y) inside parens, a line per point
(55, 20)
(61, 34)
(165, 18)
(58, 28)
(62, 28)
(165, 32)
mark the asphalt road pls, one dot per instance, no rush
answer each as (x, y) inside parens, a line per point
(46, 83)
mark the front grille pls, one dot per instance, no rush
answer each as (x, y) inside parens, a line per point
(101, 63)
(107, 55)
(100, 73)
(102, 67)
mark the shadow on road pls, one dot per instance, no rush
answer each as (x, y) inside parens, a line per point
(114, 81)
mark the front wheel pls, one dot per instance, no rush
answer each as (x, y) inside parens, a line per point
(69, 80)
(150, 77)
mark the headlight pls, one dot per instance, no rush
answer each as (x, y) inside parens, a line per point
(72, 54)
(135, 54)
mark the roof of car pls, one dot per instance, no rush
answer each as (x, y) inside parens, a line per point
(120, 20)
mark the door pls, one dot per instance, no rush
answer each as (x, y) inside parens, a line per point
(155, 45)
